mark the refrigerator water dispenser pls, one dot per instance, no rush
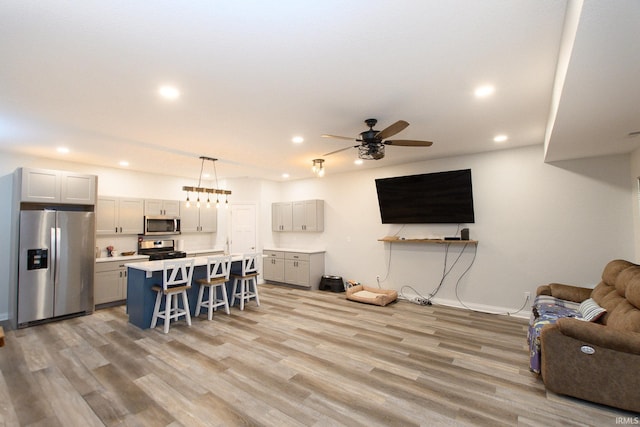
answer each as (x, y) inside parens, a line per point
(37, 259)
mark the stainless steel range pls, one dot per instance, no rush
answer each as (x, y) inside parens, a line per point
(159, 249)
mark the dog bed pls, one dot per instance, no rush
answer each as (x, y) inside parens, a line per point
(369, 295)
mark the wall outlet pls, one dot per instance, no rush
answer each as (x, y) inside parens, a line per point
(527, 295)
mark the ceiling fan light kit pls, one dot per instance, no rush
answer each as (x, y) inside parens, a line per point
(206, 190)
(372, 142)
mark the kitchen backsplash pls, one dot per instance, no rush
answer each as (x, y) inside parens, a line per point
(188, 242)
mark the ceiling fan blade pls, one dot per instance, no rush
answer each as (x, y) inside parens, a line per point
(338, 137)
(342, 149)
(409, 143)
(392, 130)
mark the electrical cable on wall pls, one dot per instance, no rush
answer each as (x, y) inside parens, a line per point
(388, 261)
(480, 311)
(446, 272)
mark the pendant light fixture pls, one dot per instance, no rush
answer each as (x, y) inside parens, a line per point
(318, 167)
(206, 190)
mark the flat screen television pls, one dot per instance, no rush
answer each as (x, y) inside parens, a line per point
(431, 198)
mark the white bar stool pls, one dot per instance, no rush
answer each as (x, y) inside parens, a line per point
(176, 279)
(218, 268)
(248, 280)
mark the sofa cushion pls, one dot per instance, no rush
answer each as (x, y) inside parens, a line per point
(590, 311)
(569, 293)
(624, 317)
(613, 268)
(629, 277)
(632, 294)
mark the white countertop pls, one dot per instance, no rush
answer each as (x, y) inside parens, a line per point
(302, 251)
(122, 258)
(195, 252)
(202, 251)
(149, 267)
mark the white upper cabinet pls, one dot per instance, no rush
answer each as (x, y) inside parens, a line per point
(115, 215)
(308, 215)
(281, 216)
(51, 186)
(198, 220)
(304, 215)
(162, 207)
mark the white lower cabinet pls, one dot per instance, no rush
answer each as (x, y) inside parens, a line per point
(304, 269)
(110, 283)
(273, 266)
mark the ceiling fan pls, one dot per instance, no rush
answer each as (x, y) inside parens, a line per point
(372, 142)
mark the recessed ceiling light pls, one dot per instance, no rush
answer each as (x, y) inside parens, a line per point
(124, 163)
(484, 91)
(206, 175)
(297, 139)
(169, 92)
(358, 162)
(62, 150)
(500, 138)
(285, 175)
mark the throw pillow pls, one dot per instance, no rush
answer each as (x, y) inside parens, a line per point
(590, 310)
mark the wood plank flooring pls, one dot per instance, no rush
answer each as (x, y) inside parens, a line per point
(303, 358)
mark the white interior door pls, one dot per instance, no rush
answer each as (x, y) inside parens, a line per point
(243, 228)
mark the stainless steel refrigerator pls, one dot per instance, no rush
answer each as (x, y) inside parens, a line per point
(55, 272)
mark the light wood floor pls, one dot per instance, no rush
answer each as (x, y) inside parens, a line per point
(307, 358)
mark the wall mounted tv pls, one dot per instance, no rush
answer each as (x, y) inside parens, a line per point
(432, 198)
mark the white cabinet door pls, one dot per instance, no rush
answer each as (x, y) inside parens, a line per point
(208, 219)
(110, 282)
(281, 216)
(202, 219)
(162, 207)
(119, 216)
(273, 269)
(189, 219)
(296, 272)
(299, 216)
(107, 215)
(152, 207)
(131, 216)
(52, 186)
(78, 189)
(308, 215)
(107, 286)
(171, 207)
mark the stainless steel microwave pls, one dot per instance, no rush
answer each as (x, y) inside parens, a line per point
(161, 225)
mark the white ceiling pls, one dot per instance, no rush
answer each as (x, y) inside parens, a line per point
(253, 74)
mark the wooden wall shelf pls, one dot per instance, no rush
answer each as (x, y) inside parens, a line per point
(436, 241)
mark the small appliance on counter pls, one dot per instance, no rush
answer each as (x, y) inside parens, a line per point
(158, 249)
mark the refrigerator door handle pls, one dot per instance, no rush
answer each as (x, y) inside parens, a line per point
(57, 255)
(54, 253)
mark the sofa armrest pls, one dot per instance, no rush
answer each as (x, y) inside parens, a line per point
(565, 292)
(600, 335)
(605, 376)
(543, 290)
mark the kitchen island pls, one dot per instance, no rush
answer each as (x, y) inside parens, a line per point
(141, 276)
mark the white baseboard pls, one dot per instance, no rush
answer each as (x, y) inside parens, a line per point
(491, 309)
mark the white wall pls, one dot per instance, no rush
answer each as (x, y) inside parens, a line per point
(535, 222)
(635, 198)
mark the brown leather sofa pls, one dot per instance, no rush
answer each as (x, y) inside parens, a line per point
(597, 361)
